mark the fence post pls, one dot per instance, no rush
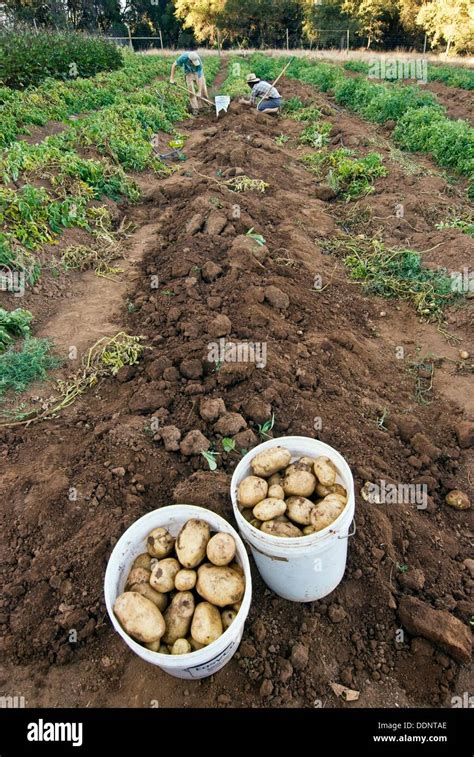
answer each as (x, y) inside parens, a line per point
(130, 38)
(287, 39)
(161, 38)
(424, 43)
(218, 42)
(348, 40)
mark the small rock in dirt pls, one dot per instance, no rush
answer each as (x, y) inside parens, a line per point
(245, 439)
(191, 368)
(424, 446)
(248, 650)
(234, 373)
(126, 373)
(408, 427)
(421, 647)
(324, 192)
(171, 374)
(285, 670)
(214, 303)
(413, 579)
(211, 409)
(195, 224)
(210, 271)
(221, 325)
(458, 499)
(266, 689)
(277, 298)
(243, 248)
(336, 613)
(170, 436)
(465, 434)
(257, 410)
(299, 656)
(437, 626)
(119, 471)
(147, 399)
(215, 223)
(469, 564)
(224, 699)
(230, 424)
(178, 187)
(259, 630)
(211, 131)
(155, 369)
(305, 379)
(194, 442)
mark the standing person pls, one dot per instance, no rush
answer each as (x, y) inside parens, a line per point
(194, 74)
(261, 88)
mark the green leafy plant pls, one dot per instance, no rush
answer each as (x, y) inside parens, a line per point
(210, 458)
(259, 239)
(264, 428)
(228, 445)
(21, 367)
(13, 323)
(348, 176)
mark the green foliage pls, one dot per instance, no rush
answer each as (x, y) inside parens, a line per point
(452, 76)
(235, 84)
(381, 102)
(316, 135)
(451, 143)
(400, 274)
(20, 367)
(349, 177)
(465, 225)
(28, 57)
(13, 323)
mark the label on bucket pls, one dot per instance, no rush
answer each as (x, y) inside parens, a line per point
(208, 668)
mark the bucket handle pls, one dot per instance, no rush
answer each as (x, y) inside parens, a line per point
(350, 533)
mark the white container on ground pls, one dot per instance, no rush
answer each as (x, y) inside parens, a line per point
(306, 568)
(208, 660)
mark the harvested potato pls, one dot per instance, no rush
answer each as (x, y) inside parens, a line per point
(159, 542)
(275, 480)
(323, 491)
(181, 646)
(247, 514)
(185, 580)
(142, 561)
(178, 617)
(326, 511)
(299, 510)
(457, 499)
(220, 586)
(139, 617)
(221, 549)
(236, 606)
(164, 573)
(192, 542)
(282, 519)
(138, 576)
(228, 617)
(154, 646)
(195, 645)
(206, 625)
(274, 528)
(269, 508)
(158, 599)
(306, 463)
(307, 530)
(251, 490)
(255, 522)
(325, 471)
(270, 461)
(237, 567)
(276, 491)
(299, 483)
(164, 649)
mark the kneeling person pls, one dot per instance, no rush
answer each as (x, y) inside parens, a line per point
(261, 88)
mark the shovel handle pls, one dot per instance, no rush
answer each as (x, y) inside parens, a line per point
(190, 92)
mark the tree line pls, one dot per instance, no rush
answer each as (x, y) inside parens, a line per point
(374, 24)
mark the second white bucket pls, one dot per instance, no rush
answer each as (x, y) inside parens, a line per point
(306, 568)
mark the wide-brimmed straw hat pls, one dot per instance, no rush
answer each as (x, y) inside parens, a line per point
(252, 79)
(194, 58)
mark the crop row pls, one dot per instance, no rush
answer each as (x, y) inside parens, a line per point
(452, 76)
(421, 124)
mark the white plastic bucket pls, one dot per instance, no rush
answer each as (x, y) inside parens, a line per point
(306, 568)
(208, 660)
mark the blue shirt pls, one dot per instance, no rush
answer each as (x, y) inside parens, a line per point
(189, 68)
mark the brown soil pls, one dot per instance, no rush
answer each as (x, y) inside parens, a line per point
(331, 355)
(457, 101)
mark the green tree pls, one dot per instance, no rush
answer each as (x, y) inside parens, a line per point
(202, 16)
(372, 16)
(450, 21)
(261, 22)
(326, 22)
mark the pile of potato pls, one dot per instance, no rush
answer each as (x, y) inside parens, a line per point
(290, 500)
(182, 594)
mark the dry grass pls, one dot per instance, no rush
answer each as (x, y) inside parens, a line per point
(334, 55)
